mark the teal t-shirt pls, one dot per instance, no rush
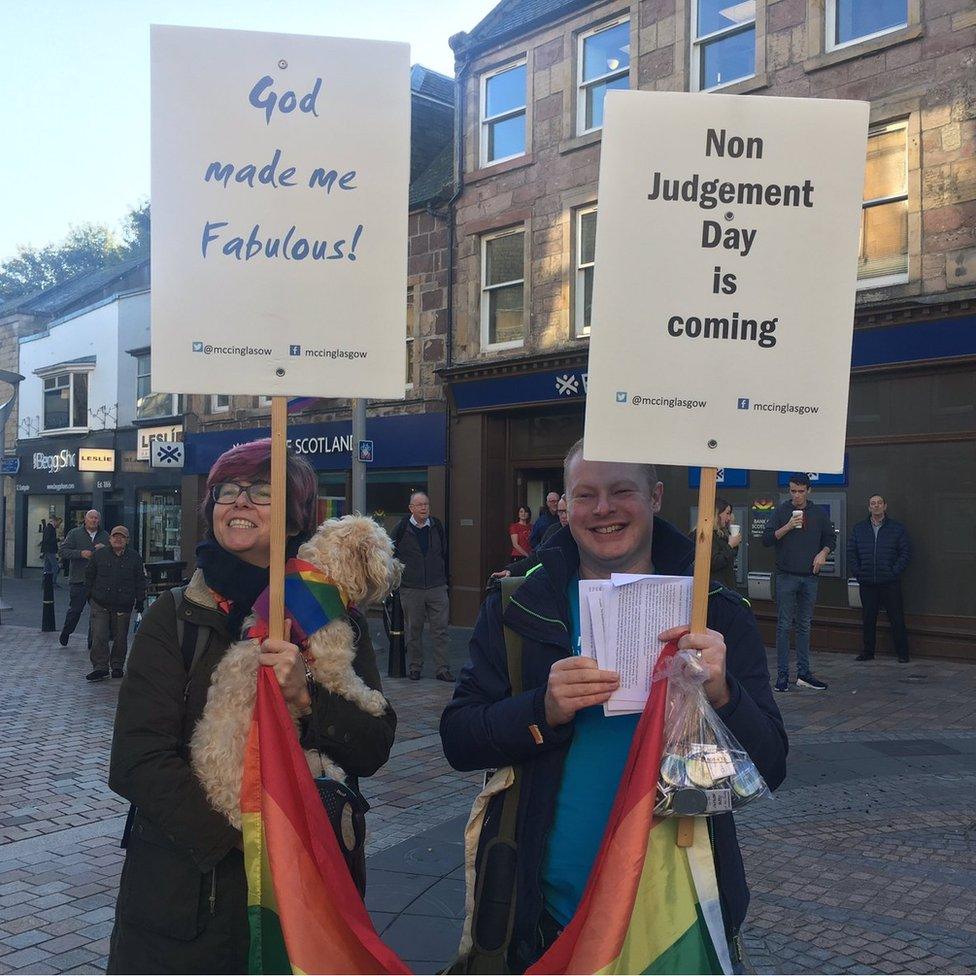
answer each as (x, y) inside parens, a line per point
(594, 764)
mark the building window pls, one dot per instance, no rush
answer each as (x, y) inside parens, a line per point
(219, 403)
(883, 254)
(65, 401)
(411, 335)
(723, 46)
(503, 114)
(502, 289)
(150, 405)
(604, 63)
(585, 247)
(160, 522)
(851, 21)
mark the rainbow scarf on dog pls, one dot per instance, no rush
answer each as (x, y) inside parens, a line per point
(312, 601)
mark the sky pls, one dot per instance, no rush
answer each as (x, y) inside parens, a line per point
(74, 114)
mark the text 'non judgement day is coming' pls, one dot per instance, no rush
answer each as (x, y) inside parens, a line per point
(707, 194)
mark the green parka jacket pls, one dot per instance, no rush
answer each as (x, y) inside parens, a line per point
(182, 905)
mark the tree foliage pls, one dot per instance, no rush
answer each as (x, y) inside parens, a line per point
(87, 247)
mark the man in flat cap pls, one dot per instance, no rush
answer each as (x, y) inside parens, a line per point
(116, 581)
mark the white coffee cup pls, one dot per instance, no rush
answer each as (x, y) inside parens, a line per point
(734, 529)
(799, 511)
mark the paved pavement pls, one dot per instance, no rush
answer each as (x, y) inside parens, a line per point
(865, 861)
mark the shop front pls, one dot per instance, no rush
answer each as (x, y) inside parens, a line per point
(65, 477)
(409, 452)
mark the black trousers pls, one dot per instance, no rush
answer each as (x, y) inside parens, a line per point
(78, 597)
(874, 596)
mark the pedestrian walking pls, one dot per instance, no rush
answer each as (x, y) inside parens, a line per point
(547, 516)
(570, 754)
(78, 546)
(116, 581)
(804, 538)
(878, 552)
(519, 532)
(182, 903)
(421, 545)
(50, 541)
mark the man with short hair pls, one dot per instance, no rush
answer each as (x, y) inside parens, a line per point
(78, 546)
(547, 518)
(571, 754)
(562, 514)
(116, 582)
(878, 553)
(804, 538)
(421, 545)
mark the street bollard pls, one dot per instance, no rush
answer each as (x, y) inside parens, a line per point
(393, 618)
(47, 613)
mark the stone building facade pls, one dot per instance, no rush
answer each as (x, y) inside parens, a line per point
(531, 78)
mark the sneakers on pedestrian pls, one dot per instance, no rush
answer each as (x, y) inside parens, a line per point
(414, 674)
(810, 681)
(96, 675)
(63, 639)
(117, 672)
(782, 683)
(445, 675)
(864, 657)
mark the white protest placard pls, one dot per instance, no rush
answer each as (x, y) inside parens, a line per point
(280, 170)
(726, 260)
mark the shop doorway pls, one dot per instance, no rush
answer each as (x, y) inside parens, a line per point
(113, 508)
(75, 508)
(40, 510)
(533, 484)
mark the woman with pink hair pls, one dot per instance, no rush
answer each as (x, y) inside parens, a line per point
(182, 905)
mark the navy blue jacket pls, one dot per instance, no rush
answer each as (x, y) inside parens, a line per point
(486, 727)
(880, 560)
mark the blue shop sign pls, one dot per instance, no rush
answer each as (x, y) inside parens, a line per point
(408, 441)
(9, 464)
(505, 391)
(724, 478)
(817, 479)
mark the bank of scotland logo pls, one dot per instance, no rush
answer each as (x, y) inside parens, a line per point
(198, 347)
(294, 350)
(743, 403)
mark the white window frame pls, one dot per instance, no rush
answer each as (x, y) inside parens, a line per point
(264, 401)
(54, 376)
(216, 406)
(582, 86)
(830, 28)
(175, 406)
(486, 288)
(698, 43)
(486, 121)
(411, 335)
(900, 277)
(579, 327)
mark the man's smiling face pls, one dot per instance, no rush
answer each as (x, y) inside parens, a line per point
(611, 516)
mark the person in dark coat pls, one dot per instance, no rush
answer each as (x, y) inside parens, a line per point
(49, 547)
(724, 545)
(116, 581)
(879, 551)
(182, 903)
(547, 518)
(571, 754)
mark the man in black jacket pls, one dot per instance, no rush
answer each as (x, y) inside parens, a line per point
(116, 581)
(804, 538)
(421, 545)
(879, 551)
(571, 754)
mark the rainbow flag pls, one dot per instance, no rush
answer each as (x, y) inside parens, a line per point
(649, 906)
(304, 911)
(312, 600)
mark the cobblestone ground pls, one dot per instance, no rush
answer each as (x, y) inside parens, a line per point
(865, 862)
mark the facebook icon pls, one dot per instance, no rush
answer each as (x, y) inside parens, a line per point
(294, 350)
(743, 403)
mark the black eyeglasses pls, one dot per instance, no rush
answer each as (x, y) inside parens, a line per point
(227, 492)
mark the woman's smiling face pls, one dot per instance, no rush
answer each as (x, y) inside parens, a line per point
(244, 528)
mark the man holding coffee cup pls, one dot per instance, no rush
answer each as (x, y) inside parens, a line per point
(804, 538)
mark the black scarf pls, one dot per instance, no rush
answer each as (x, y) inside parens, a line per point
(235, 580)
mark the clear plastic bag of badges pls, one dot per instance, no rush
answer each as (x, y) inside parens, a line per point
(704, 770)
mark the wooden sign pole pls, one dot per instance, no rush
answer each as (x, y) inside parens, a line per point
(699, 593)
(279, 438)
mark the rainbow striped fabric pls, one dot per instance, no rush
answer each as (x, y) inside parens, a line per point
(304, 911)
(312, 600)
(649, 906)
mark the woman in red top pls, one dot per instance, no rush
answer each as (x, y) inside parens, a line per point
(519, 532)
